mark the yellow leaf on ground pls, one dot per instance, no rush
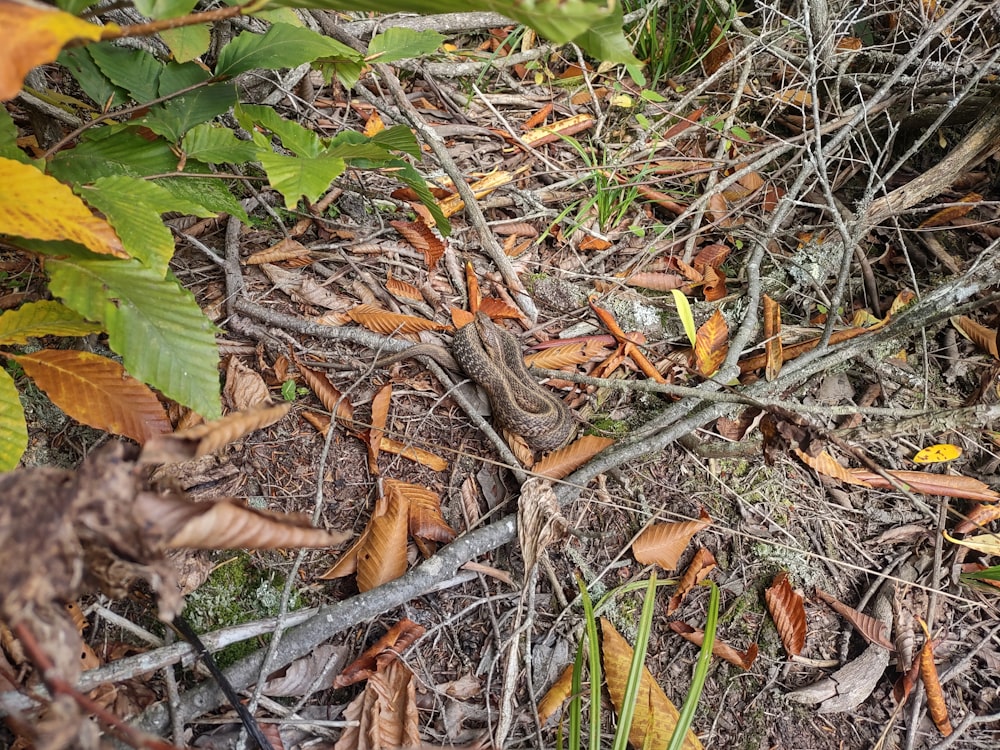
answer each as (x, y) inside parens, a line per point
(39, 207)
(655, 716)
(33, 35)
(936, 454)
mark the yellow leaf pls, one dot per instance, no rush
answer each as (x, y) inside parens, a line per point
(39, 207)
(936, 454)
(686, 314)
(33, 35)
(655, 716)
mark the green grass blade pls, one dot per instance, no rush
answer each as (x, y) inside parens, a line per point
(594, 666)
(635, 670)
(700, 672)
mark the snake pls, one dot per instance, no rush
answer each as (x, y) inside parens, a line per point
(492, 358)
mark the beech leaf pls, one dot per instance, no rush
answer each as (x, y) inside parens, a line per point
(566, 460)
(741, 659)
(873, 630)
(664, 543)
(383, 321)
(788, 613)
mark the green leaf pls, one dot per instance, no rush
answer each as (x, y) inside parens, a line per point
(559, 20)
(187, 42)
(686, 315)
(153, 323)
(93, 82)
(283, 46)
(212, 193)
(133, 207)
(135, 70)
(45, 318)
(406, 173)
(348, 71)
(214, 144)
(297, 176)
(604, 39)
(399, 138)
(278, 15)
(124, 152)
(398, 43)
(356, 148)
(13, 429)
(174, 118)
(75, 7)
(177, 76)
(8, 139)
(294, 137)
(158, 9)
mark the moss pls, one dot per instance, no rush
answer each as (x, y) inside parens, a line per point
(237, 591)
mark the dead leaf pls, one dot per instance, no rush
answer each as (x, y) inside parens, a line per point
(772, 339)
(946, 215)
(420, 456)
(655, 716)
(554, 131)
(664, 543)
(383, 556)
(383, 321)
(827, 465)
(562, 462)
(540, 522)
(403, 289)
(303, 289)
(380, 414)
(718, 54)
(425, 518)
(497, 309)
(422, 237)
(557, 694)
(933, 484)
(481, 188)
(721, 649)
(788, 613)
(397, 639)
(561, 356)
(313, 672)
(873, 630)
(983, 337)
(701, 565)
(327, 393)
(286, 249)
(711, 344)
(97, 391)
(384, 716)
(656, 280)
(936, 705)
(244, 388)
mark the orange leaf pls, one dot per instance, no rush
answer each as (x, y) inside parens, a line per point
(461, 317)
(664, 543)
(380, 413)
(497, 309)
(683, 123)
(97, 391)
(452, 205)
(772, 338)
(538, 118)
(208, 437)
(977, 517)
(719, 53)
(383, 321)
(556, 695)
(609, 322)
(383, 556)
(796, 350)
(873, 630)
(327, 393)
(741, 659)
(701, 565)
(947, 215)
(644, 364)
(287, 249)
(983, 337)
(403, 289)
(347, 563)
(422, 237)
(711, 256)
(428, 459)
(425, 519)
(472, 282)
(827, 465)
(566, 355)
(936, 705)
(714, 285)
(933, 484)
(656, 280)
(788, 613)
(39, 207)
(655, 716)
(564, 461)
(34, 34)
(711, 344)
(397, 639)
(552, 132)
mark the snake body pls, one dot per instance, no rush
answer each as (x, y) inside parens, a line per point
(492, 358)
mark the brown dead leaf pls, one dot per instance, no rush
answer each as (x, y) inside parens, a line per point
(425, 519)
(664, 543)
(873, 630)
(772, 339)
(420, 456)
(788, 613)
(557, 694)
(714, 285)
(562, 462)
(977, 517)
(304, 289)
(711, 344)
(933, 484)
(655, 716)
(244, 388)
(936, 705)
(701, 565)
(397, 639)
(384, 716)
(383, 557)
(481, 188)
(561, 356)
(383, 321)
(497, 309)
(718, 54)
(741, 659)
(656, 280)
(946, 215)
(287, 249)
(380, 414)
(827, 465)
(313, 672)
(327, 392)
(554, 131)
(422, 237)
(403, 289)
(983, 337)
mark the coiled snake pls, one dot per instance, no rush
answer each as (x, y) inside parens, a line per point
(492, 358)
